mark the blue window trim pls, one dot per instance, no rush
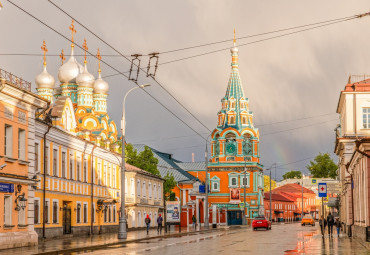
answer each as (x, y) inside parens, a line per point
(233, 175)
(215, 179)
(241, 177)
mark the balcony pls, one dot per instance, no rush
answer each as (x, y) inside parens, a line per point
(14, 80)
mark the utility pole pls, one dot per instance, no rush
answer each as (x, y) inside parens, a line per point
(302, 199)
(206, 218)
(245, 184)
(270, 197)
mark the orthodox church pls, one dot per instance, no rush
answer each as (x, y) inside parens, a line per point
(79, 104)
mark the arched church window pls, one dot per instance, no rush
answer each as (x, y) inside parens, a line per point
(247, 145)
(232, 120)
(232, 105)
(244, 120)
(230, 137)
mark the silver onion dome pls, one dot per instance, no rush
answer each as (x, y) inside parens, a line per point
(100, 86)
(234, 49)
(69, 71)
(85, 79)
(45, 80)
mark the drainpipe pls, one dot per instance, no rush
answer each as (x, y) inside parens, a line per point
(92, 191)
(44, 188)
(181, 194)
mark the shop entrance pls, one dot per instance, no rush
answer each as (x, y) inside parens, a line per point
(67, 228)
(234, 218)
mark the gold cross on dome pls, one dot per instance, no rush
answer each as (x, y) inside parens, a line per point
(84, 46)
(99, 58)
(234, 37)
(44, 49)
(73, 30)
(62, 57)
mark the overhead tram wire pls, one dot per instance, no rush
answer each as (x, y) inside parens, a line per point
(114, 49)
(190, 47)
(177, 117)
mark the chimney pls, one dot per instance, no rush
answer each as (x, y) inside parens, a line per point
(192, 157)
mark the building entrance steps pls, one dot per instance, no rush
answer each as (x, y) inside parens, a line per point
(83, 243)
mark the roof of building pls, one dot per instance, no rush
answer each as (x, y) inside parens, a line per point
(278, 197)
(191, 166)
(293, 188)
(166, 164)
(131, 168)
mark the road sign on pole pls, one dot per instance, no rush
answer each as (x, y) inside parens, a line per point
(322, 190)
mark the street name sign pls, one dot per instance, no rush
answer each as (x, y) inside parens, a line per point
(7, 187)
(322, 190)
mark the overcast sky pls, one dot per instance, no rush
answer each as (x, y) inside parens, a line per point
(289, 78)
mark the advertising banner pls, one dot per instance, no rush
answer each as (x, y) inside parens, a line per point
(235, 196)
(173, 211)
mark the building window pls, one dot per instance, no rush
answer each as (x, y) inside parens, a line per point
(36, 157)
(159, 192)
(93, 213)
(99, 173)
(8, 141)
(55, 162)
(150, 190)
(78, 213)
(55, 212)
(105, 175)
(22, 144)
(105, 214)
(85, 213)
(63, 164)
(78, 169)
(8, 210)
(144, 189)
(244, 181)
(109, 213)
(115, 181)
(232, 120)
(233, 181)
(71, 166)
(215, 186)
(114, 213)
(47, 160)
(46, 210)
(138, 188)
(109, 182)
(244, 120)
(36, 212)
(366, 117)
(155, 191)
(132, 186)
(85, 170)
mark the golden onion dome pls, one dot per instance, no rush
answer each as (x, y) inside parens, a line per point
(45, 80)
(100, 86)
(69, 71)
(85, 79)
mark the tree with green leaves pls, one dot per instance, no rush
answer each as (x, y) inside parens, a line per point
(292, 175)
(144, 160)
(323, 166)
(168, 185)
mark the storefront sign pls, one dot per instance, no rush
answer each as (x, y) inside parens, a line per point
(173, 211)
(7, 187)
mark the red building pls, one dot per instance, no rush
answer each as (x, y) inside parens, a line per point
(283, 208)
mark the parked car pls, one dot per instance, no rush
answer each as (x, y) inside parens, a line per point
(308, 220)
(261, 222)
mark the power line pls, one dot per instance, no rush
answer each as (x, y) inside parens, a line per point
(284, 121)
(114, 49)
(177, 117)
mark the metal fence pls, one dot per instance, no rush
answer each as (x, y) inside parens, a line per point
(15, 80)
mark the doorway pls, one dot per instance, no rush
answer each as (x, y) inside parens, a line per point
(234, 218)
(67, 228)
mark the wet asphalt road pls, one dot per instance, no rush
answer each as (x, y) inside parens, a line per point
(282, 239)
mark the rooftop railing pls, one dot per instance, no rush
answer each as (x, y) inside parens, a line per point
(15, 80)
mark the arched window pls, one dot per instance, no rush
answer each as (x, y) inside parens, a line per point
(244, 120)
(232, 120)
(230, 137)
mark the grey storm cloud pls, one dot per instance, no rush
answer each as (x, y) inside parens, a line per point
(289, 78)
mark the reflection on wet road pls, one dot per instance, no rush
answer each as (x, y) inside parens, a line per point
(282, 239)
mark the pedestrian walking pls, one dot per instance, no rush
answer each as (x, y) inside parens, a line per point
(147, 222)
(194, 221)
(322, 225)
(159, 222)
(331, 222)
(338, 225)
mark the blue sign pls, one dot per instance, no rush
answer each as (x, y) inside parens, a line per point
(202, 189)
(313, 181)
(322, 190)
(7, 187)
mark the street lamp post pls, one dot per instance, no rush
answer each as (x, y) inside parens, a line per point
(122, 231)
(302, 198)
(270, 214)
(244, 184)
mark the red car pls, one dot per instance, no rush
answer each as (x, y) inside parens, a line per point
(261, 222)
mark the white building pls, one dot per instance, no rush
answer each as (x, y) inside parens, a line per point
(353, 149)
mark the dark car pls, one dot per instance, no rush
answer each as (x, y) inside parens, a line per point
(261, 222)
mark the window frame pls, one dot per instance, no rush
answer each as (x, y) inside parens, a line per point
(22, 144)
(8, 140)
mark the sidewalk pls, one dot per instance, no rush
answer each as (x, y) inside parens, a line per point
(95, 241)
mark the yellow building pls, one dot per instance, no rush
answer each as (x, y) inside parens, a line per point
(78, 164)
(17, 134)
